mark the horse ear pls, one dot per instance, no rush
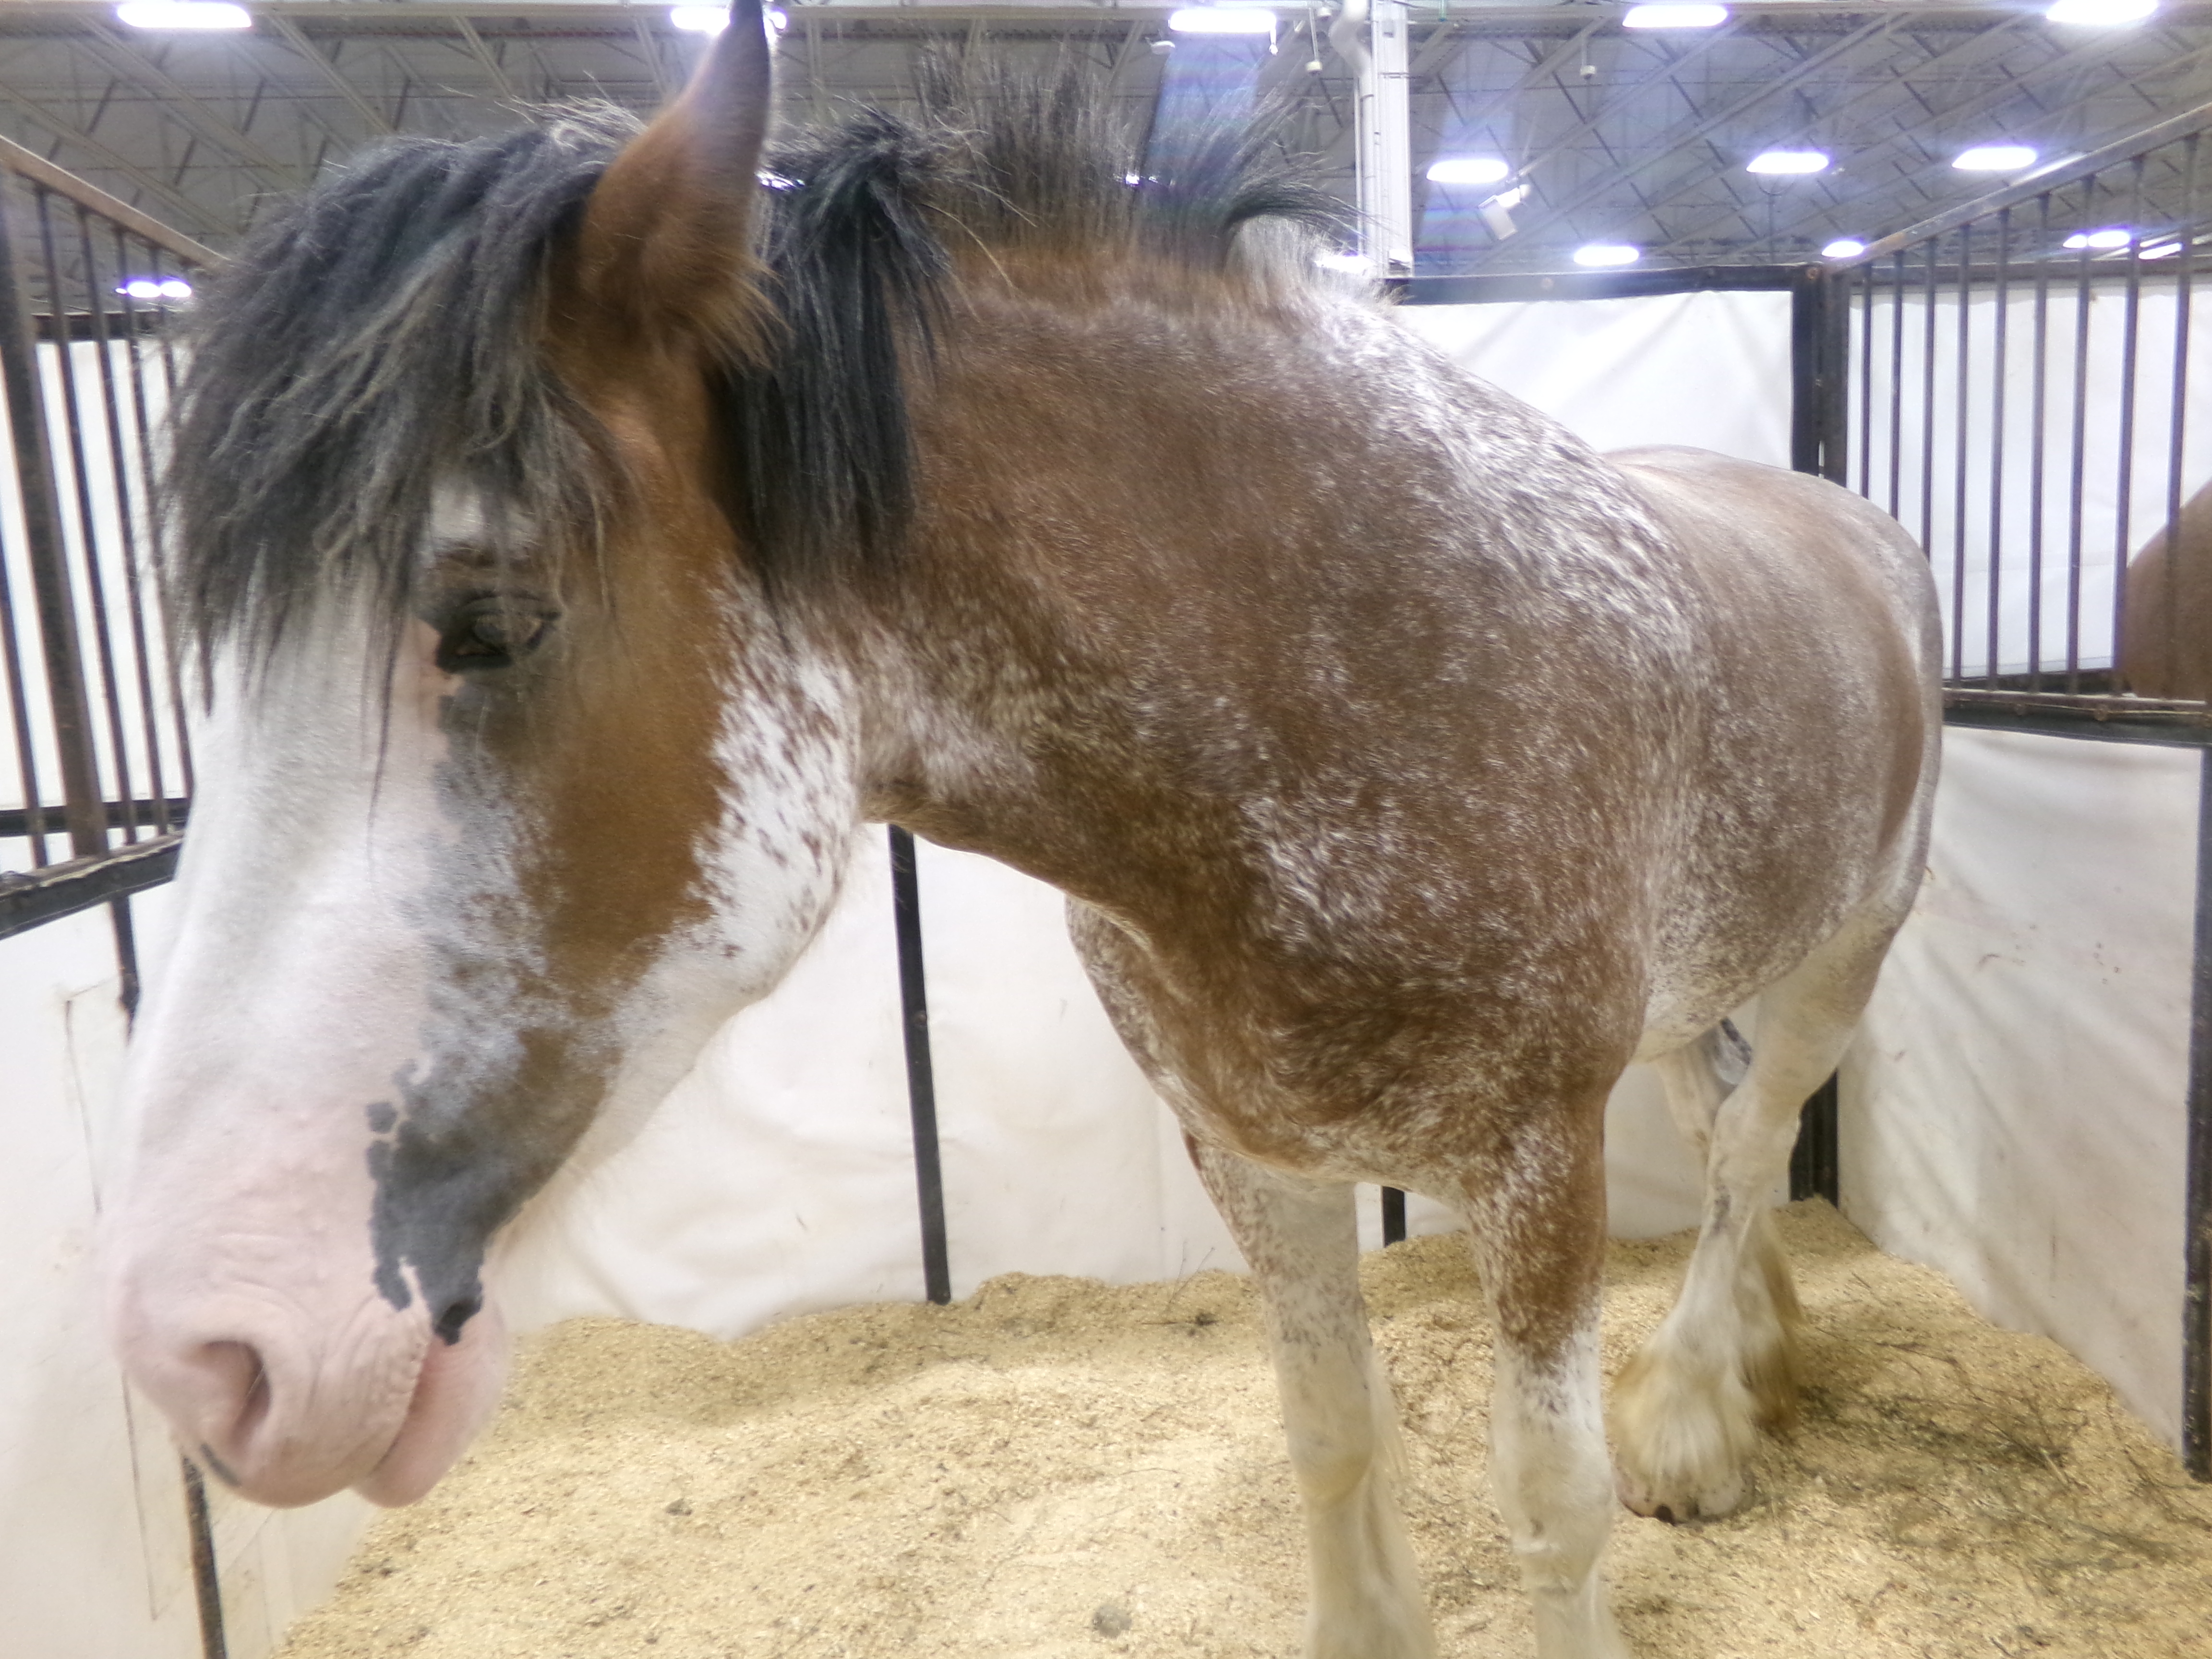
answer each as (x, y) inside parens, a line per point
(663, 246)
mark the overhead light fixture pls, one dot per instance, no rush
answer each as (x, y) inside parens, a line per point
(2100, 13)
(1673, 16)
(2111, 237)
(1994, 158)
(1469, 170)
(1353, 264)
(1222, 20)
(1602, 254)
(156, 288)
(184, 14)
(1843, 247)
(1788, 161)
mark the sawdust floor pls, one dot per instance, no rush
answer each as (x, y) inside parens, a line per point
(1054, 1468)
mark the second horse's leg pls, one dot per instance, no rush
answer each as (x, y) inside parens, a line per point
(1688, 1407)
(1302, 1244)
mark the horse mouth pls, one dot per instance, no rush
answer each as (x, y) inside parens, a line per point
(456, 1391)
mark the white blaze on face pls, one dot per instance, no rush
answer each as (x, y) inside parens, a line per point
(239, 1253)
(343, 1080)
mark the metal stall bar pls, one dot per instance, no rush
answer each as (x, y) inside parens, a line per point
(53, 601)
(73, 592)
(920, 1074)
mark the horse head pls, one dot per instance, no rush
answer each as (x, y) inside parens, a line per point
(509, 789)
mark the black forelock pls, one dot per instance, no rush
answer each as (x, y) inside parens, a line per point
(384, 335)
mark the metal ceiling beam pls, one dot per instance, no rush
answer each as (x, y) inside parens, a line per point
(289, 32)
(2064, 63)
(651, 48)
(487, 61)
(1502, 102)
(1606, 107)
(120, 55)
(194, 215)
(1897, 88)
(1685, 134)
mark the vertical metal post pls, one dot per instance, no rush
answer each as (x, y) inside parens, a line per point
(214, 1643)
(1820, 421)
(1370, 36)
(1820, 392)
(2196, 1200)
(1394, 1216)
(83, 809)
(920, 1078)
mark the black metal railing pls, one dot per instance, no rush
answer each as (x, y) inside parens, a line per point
(95, 764)
(2022, 370)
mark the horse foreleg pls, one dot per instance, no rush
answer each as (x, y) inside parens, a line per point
(1302, 1244)
(1540, 1239)
(1688, 1409)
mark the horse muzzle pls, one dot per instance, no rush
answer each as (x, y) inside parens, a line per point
(285, 1407)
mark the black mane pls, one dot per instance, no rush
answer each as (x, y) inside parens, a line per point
(384, 334)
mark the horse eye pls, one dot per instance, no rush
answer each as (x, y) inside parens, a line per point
(489, 633)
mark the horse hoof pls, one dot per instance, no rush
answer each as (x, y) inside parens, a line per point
(1722, 1495)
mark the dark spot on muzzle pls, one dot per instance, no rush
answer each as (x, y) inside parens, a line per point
(440, 1194)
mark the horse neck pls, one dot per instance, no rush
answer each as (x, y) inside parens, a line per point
(1069, 450)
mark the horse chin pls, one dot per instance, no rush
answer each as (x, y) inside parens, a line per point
(455, 1394)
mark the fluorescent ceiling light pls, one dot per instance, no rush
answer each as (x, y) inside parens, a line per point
(1788, 161)
(1469, 170)
(1608, 253)
(1994, 158)
(1222, 20)
(2111, 236)
(1354, 263)
(1843, 247)
(2102, 13)
(1674, 16)
(156, 288)
(184, 14)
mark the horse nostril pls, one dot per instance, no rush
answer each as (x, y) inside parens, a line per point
(241, 1391)
(457, 1313)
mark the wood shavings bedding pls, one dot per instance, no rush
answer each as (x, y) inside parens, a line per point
(1056, 1468)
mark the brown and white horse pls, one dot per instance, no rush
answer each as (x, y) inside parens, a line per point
(582, 538)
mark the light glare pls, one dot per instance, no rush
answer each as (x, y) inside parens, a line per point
(1468, 170)
(2111, 236)
(1843, 247)
(1608, 253)
(1674, 16)
(183, 15)
(2100, 13)
(156, 288)
(1354, 263)
(1994, 158)
(1222, 20)
(1794, 161)
(699, 20)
